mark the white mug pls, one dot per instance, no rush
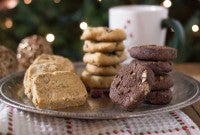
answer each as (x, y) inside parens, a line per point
(143, 25)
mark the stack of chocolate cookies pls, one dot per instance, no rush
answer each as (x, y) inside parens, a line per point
(104, 51)
(158, 59)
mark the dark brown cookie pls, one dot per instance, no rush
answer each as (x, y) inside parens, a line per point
(159, 97)
(158, 67)
(162, 82)
(153, 52)
(131, 85)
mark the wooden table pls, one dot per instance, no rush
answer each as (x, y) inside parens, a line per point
(191, 69)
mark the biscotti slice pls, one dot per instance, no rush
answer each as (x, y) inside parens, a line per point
(55, 58)
(58, 90)
(131, 85)
(36, 69)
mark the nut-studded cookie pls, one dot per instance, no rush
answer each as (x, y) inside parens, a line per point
(104, 59)
(158, 67)
(153, 53)
(103, 70)
(94, 81)
(159, 97)
(103, 34)
(36, 69)
(163, 82)
(93, 46)
(131, 85)
(54, 58)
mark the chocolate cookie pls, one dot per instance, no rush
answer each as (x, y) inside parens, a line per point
(92, 46)
(103, 70)
(131, 85)
(159, 97)
(163, 82)
(104, 59)
(158, 67)
(103, 34)
(153, 52)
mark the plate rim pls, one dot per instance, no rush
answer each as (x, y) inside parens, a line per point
(93, 115)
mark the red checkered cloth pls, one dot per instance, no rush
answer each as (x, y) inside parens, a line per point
(17, 122)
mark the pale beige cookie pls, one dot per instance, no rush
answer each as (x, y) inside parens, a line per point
(36, 69)
(94, 81)
(103, 34)
(104, 59)
(55, 58)
(103, 70)
(58, 90)
(92, 46)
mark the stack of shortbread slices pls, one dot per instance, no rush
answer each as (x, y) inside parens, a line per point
(104, 51)
(50, 82)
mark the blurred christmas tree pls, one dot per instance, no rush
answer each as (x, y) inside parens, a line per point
(62, 19)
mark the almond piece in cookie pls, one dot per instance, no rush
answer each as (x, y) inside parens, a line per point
(131, 85)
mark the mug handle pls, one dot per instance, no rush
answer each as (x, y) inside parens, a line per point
(178, 29)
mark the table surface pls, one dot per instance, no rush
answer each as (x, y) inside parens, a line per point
(191, 69)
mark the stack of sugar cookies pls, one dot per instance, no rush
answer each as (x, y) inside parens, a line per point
(50, 82)
(104, 51)
(158, 59)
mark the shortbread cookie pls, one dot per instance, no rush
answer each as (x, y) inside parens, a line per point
(159, 97)
(94, 81)
(131, 85)
(103, 34)
(158, 67)
(36, 69)
(55, 58)
(104, 59)
(163, 82)
(58, 90)
(153, 53)
(92, 46)
(103, 70)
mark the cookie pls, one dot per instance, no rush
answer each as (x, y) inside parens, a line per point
(58, 90)
(103, 34)
(55, 58)
(8, 59)
(153, 53)
(3, 70)
(103, 70)
(92, 46)
(158, 67)
(104, 59)
(163, 82)
(94, 81)
(36, 69)
(159, 97)
(131, 85)
(31, 47)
